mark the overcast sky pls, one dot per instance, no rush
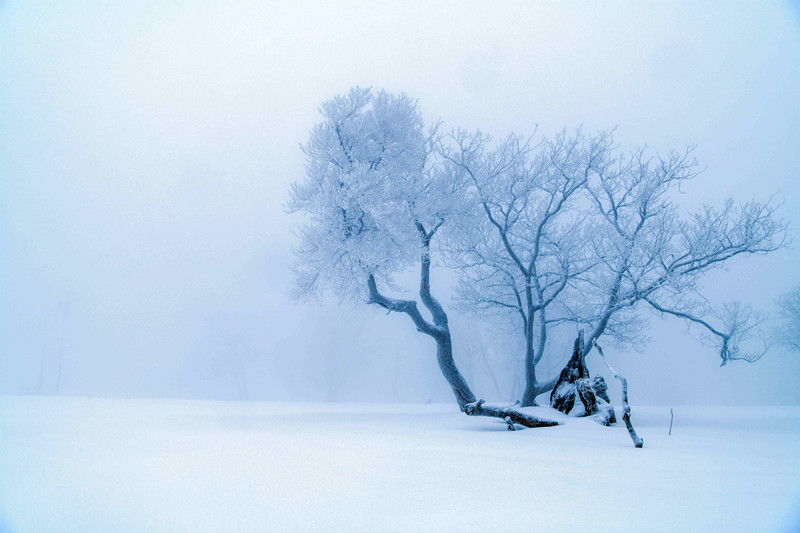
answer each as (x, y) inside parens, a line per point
(146, 149)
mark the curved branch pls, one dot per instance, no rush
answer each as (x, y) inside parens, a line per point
(729, 350)
(433, 305)
(546, 386)
(408, 307)
(688, 317)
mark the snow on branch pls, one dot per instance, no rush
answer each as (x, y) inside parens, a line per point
(739, 322)
(509, 415)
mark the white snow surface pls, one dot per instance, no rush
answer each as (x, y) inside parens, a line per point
(88, 464)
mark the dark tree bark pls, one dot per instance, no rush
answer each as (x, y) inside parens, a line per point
(439, 333)
(587, 396)
(529, 396)
(563, 398)
(511, 416)
(576, 393)
(565, 391)
(600, 388)
(439, 330)
(534, 387)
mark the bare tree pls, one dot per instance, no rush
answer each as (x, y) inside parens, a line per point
(527, 245)
(233, 353)
(789, 313)
(574, 230)
(43, 358)
(228, 347)
(64, 307)
(647, 254)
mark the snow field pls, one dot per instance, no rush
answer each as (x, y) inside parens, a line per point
(83, 465)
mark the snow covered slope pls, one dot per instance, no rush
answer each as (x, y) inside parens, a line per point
(84, 465)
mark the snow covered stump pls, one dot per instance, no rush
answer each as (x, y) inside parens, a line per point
(577, 395)
(573, 384)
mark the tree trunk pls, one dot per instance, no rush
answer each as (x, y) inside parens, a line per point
(440, 332)
(529, 396)
(40, 380)
(444, 355)
(441, 329)
(244, 395)
(534, 388)
(61, 348)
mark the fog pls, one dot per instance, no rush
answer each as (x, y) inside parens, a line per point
(147, 149)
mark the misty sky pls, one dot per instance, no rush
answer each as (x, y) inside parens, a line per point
(146, 149)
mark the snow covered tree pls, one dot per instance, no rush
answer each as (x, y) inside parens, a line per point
(526, 245)
(574, 230)
(566, 230)
(375, 200)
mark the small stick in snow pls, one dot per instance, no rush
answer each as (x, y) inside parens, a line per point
(510, 423)
(637, 440)
(671, 416)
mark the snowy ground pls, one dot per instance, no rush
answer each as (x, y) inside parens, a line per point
(85, 465)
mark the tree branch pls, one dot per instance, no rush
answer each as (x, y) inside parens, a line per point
(408, 307)
(479, 408)
(637, 440)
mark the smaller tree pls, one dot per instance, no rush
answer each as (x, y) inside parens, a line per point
(231, 357)
(228, 347)
(517, 257)
(645, 255)
(789, 314)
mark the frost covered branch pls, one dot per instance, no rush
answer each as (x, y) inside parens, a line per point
(626, 416)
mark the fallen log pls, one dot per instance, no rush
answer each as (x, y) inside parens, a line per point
(509, 415)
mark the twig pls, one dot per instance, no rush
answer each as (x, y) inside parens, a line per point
(671, 416)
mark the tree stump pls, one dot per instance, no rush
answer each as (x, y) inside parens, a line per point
(575, 394)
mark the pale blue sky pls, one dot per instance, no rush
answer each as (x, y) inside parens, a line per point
(146, 149)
